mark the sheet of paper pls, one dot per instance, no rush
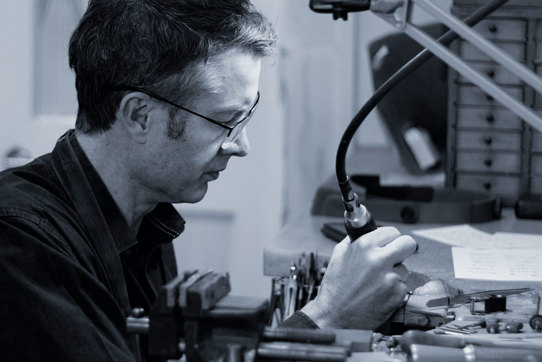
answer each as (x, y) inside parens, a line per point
(497, 264)
(457, 235)
(517, 240)
(469, 236)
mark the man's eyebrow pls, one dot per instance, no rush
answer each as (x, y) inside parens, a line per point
(234, 108)
(229, 115)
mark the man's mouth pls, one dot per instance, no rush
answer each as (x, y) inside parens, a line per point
(213, 175)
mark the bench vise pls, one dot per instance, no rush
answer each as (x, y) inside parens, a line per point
(194, 315)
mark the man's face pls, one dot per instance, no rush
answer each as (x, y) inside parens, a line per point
(178, 170)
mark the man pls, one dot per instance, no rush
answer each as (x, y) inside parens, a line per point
(165, 88)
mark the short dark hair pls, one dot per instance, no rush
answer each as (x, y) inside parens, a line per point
(145, 42)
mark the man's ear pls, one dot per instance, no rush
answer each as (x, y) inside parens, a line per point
(133, 112)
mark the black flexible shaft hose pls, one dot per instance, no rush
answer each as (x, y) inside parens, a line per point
(388, 85)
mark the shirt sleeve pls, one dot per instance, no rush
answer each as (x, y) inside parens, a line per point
(299, 320)
(51, 307)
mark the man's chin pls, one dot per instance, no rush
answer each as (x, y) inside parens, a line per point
(194, 196)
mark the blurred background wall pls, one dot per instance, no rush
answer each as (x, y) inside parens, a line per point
(310, 90)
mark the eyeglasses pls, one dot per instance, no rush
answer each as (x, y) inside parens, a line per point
(233, 131)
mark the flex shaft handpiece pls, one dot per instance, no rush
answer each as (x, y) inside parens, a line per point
(357, 219)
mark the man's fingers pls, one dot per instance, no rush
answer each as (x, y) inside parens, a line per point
(400, 249)
(380, 237)
(402, 271)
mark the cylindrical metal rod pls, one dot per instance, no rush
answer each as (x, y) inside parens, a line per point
(299, 351)
(299, 335)
(137, 325)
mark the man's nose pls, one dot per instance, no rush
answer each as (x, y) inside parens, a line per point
(240, 146)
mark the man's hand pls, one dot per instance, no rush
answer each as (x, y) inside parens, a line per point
(364, 282)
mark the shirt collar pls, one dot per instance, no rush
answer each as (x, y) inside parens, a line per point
(161, 225)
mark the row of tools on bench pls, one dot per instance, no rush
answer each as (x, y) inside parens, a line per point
(195, 316)
(293, 291)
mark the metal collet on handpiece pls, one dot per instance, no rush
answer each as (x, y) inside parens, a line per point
(357, 219)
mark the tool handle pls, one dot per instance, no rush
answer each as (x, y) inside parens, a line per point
(355, 232)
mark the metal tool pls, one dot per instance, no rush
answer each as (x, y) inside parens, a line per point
(492, 326)
(293, 291)
(410, 316)
(481, 323)
(494, 300)
(447, 329)
(290, 293)
(513, 326)
(536, 320)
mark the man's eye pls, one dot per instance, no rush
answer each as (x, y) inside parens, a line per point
(235, 119)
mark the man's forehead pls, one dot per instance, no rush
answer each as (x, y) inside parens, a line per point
(232, 76)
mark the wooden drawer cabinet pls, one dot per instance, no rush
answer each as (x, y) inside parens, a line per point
(480, 140)
(485, 118)
(489, 161)
(489, 148)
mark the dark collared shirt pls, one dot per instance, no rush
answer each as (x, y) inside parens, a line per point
(71, 269)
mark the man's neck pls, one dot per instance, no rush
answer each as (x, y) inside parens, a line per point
(113, 167)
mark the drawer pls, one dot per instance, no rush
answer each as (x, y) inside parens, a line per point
(538, 111)
(468, 52)
(536, 145)
(538, 102)
(495, 72)
(480, 140)
(472, 95)
(502, 29)
(536, 164)
(538, 51)
(488, 161)
(538, 31)
(504, 186)
(494, 118)
(536, 185)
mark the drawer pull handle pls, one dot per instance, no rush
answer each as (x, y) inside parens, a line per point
(487, 185)
(490, 118)
(488, 162)
(492, 28)
(488, 140)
